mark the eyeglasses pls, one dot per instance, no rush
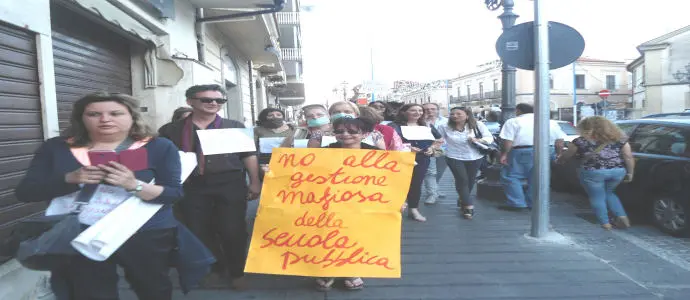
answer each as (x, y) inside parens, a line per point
(351, 132)
(210, 100)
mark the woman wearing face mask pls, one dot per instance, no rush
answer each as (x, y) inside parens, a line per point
(413, 115)
(271, 124)
(318, 124)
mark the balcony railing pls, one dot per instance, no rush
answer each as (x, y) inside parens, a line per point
(291, 54)
(288, 18)
(474, 97)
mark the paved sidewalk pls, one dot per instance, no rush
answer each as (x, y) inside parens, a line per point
(491, 258)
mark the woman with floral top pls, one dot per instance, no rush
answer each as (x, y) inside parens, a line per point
(606, 161)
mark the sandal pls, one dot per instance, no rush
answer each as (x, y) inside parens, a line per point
(355, 283)
(324, 284)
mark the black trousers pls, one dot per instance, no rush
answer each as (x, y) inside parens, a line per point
(465, 175)
(145, 258)
(217, 216)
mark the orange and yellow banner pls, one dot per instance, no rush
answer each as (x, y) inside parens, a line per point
(331, 213)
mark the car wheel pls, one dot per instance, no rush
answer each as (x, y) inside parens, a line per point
(671, 216)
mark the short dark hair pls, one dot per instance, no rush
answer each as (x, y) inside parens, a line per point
(363, 125)
(77, 130)
(525, 108)
(368, 113)
(192, 91)
(263, 115)
(179, 112)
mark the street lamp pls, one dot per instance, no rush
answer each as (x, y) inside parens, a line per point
(508, 18)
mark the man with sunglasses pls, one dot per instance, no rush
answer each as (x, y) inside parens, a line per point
(215, 201)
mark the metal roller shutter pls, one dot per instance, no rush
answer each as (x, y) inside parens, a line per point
(88, 58)
(21, 130)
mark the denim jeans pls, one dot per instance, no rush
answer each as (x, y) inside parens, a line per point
(437, 166)
(520, 165)
(465, 175)
(600, 186)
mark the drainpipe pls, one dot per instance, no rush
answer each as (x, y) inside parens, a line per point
(278, 5)
(200, 36)
(252, 85)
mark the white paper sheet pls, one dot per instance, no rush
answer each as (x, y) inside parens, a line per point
(189, 162)
(417, 133)
(226, 140)
(103, 238)
(266, 145)
(327, 140)
(301, 143)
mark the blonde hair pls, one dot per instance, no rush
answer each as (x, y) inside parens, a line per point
(600, 130)
(354, 107)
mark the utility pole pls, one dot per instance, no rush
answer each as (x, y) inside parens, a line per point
(542, 137)
(371, 64)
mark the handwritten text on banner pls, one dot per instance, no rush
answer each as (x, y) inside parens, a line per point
(331, 212)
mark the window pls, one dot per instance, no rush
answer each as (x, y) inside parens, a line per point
(660, 140)
(611, 82)
(551, 81)
(627, 128)
(428, 99)
(580, 81)
(469, 91)
(495, 85)
(481, 90)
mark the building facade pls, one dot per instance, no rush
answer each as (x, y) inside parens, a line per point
(52, 52)
(580, 82)
(661, 75)
(438, 92)
(289, 94)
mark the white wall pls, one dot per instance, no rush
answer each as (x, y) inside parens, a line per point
(33, 15)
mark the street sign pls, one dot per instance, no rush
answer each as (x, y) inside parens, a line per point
(603, 94)
(516, 45)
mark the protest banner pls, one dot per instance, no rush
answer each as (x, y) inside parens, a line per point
(331, 213)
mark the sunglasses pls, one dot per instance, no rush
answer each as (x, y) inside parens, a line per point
(210, 100)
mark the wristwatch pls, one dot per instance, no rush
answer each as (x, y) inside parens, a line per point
(138, 188)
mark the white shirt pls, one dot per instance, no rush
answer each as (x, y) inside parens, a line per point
(520, 130)
(458, 145)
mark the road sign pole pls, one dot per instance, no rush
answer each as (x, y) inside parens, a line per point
(574, 95)
(542, 137)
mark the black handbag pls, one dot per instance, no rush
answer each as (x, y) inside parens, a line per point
(45, 241)
(485, 149)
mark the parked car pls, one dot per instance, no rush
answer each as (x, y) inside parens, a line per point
(569, 129)
(661, 185)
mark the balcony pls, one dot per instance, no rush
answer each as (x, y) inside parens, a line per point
(288, 18)
(291, 54)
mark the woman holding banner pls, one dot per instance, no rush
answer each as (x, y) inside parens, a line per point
(349, 133)
(413, 115)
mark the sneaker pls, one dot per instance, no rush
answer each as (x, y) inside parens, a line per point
(430, 200)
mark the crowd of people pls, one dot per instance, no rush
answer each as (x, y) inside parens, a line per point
(212, 202)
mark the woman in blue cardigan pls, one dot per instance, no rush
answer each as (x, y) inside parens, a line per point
(111, 122)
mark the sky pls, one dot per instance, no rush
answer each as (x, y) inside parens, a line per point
(439, 39)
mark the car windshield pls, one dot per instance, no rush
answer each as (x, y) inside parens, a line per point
(567, 128)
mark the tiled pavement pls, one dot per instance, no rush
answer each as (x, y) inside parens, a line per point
(491, 258)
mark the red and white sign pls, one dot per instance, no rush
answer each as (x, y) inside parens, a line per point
(603, 94)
